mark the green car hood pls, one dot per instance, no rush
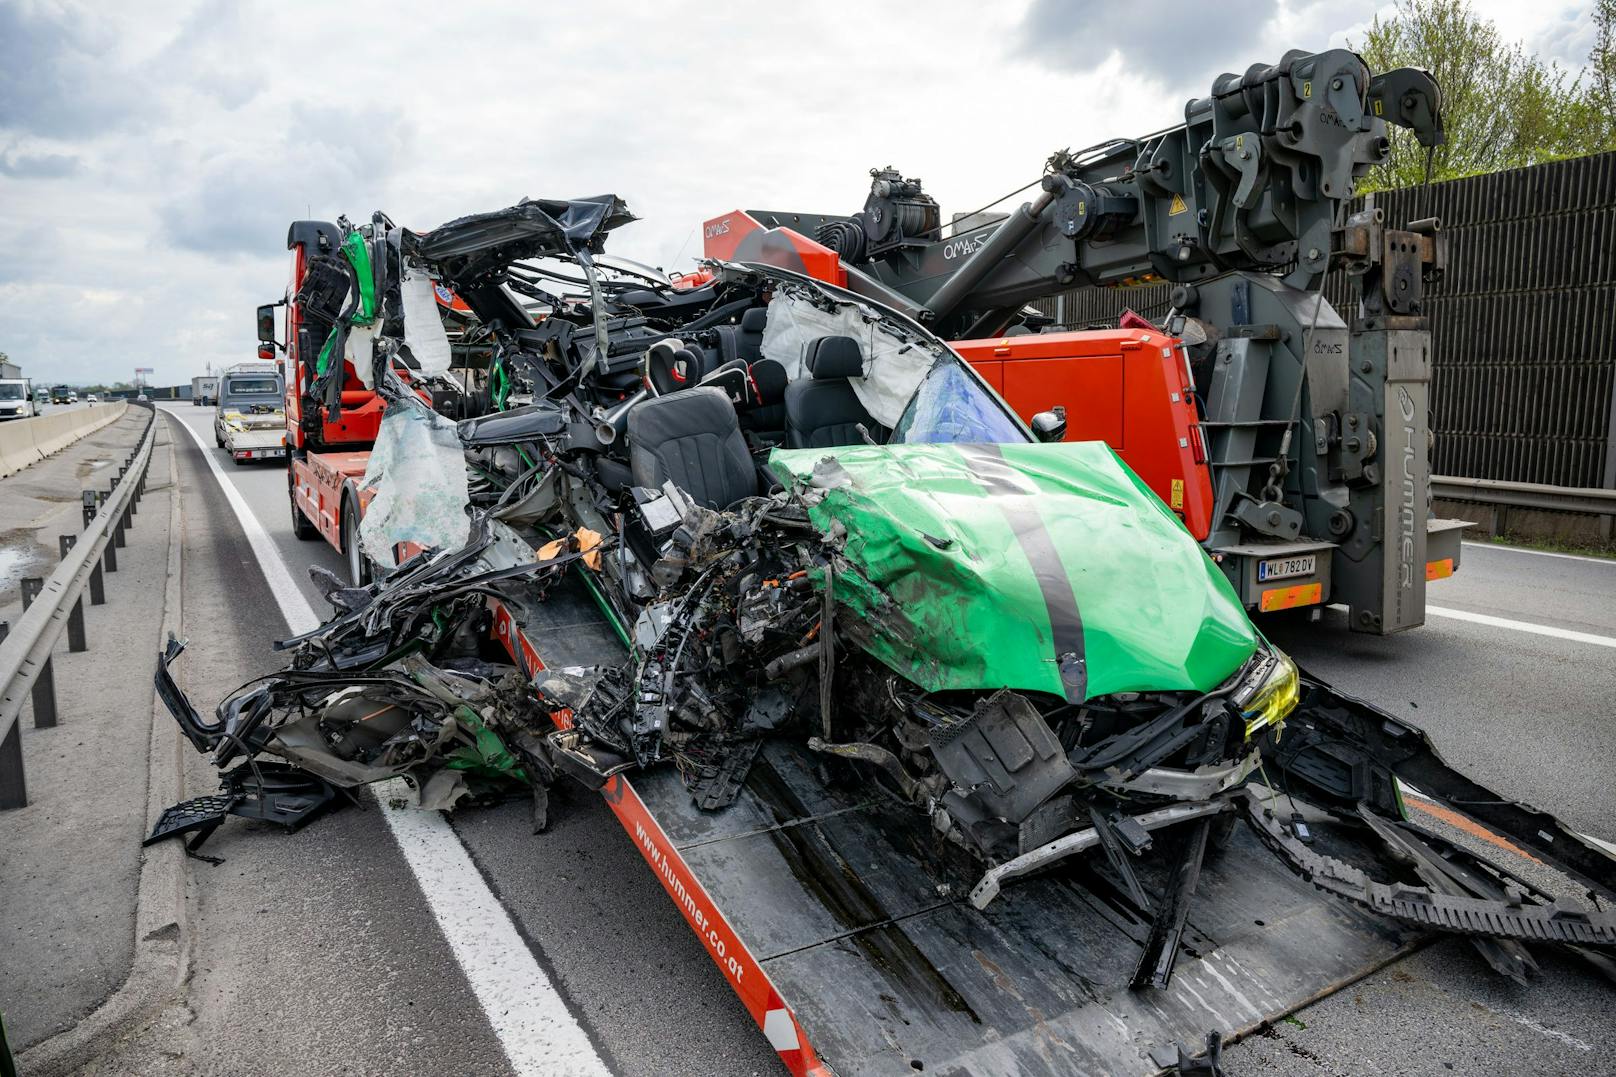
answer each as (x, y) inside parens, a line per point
(1046, 568)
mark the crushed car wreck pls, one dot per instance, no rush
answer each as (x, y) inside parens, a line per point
(779, 543)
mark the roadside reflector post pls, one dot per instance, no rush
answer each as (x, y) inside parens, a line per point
(76, 639)
(45, 681)
(13, 787)
(109, 552)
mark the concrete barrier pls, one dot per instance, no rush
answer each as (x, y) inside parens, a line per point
(26, 441)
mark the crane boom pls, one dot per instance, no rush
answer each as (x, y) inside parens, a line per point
(1310, 434)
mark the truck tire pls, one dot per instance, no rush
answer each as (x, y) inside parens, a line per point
(359, 568)
(302, 527)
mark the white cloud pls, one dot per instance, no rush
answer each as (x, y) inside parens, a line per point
(149, 167)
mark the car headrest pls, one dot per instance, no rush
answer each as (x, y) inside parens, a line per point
(688, 365)
(770, 379)
(754, 319)
(834, 357)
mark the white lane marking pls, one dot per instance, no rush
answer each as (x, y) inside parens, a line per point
(1539, 553)
(528, 1015)
(1522, 626)
(1539, 1028)
(300, 616)
(535, 1029)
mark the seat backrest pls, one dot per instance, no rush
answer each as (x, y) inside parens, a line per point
(822, 410)
(749, 342)
(734, 380)
(692, 439)
(743, 341)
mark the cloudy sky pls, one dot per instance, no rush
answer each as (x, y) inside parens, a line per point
(151, 155)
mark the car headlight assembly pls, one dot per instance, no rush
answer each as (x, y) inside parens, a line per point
(1269, 692)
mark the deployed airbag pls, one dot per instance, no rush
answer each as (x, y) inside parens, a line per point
(418, 470)
(893, 368)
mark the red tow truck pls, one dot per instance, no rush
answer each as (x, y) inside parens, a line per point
(327, 453)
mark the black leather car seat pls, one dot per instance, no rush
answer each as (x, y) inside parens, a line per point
(692, 439)
(743, 341)
(749, 341)
(822, 410)
(768, 420)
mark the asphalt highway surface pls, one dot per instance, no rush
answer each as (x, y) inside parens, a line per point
(329, 951)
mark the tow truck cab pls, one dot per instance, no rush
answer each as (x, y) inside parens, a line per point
(326, 453)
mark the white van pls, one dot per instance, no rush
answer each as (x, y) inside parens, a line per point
(16, 399)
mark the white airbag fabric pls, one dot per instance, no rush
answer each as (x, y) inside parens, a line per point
(359, 349)
(892, 368)
(418, 470)
(423, 325)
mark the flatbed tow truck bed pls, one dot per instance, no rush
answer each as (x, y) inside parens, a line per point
(318, 482)
(846, 929)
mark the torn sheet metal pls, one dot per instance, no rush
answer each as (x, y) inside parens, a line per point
(1082, 578)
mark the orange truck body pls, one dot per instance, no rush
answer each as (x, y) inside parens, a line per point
(1128, 387)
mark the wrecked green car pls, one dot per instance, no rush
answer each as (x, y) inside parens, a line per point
(697, 520)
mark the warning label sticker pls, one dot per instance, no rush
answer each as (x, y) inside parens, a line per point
(1177, 206)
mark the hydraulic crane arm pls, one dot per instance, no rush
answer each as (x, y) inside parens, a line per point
(1310, 434)
(1254, 179)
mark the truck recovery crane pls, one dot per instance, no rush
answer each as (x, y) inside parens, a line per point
(1294, 444)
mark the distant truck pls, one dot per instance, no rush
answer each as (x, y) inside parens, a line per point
(204, 391)
(63, 394)
(249, 421)
(16, 399)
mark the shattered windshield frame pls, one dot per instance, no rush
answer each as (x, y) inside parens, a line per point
(951, 405)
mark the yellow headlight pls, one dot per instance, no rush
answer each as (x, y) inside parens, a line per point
(1273, 693)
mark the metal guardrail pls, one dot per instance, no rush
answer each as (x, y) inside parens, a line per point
(56, 602)
(1525, 495)
(1500, 496)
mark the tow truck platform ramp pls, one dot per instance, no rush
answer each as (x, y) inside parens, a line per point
(846, 929)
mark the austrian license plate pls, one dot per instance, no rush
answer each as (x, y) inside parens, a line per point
(1283, 568)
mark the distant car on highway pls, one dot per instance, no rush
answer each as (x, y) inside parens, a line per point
(141, 399)
(91, 398)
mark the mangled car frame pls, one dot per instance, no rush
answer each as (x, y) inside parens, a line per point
(941, 735)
